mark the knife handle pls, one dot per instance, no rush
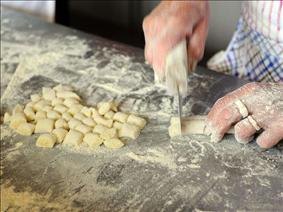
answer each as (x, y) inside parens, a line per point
(176, 69)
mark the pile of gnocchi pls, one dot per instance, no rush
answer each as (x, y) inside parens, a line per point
(59, 116)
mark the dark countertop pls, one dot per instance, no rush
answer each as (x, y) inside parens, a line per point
(152, 173)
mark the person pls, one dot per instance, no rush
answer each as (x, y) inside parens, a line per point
(254, 53)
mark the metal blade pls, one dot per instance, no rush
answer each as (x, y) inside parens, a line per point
(179, 108)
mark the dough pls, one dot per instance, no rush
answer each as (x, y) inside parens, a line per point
(70, 101)
(104, 107)
(86, 111)
(35, 97)
(242, 108)
(73, 123)
(75, 108)
(40, 104)
(61, 87)
(138, 121)
(61, 123)
(100, 129)
(121, 117)
(53, 115)
(57, 101)
(109, 114)
(67, 116)
(113, 143)
(7, 117)
(29, 113)
(100, 120)
(49, 95)
(93, 140)
(25, 129)
(40, 115)
(47, 108)
(83, 128)
(129, 130)
(44, 125)
(73, 138)
(60, 108)
(17, 119)
(46, 140)
(117, 125)
(88, 121)
(60, 134)
(67, 94)
(109, 133)
(94, 112)
(18, 109)
(79, 116)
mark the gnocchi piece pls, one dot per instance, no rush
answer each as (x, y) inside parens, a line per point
(140, 122)
(35, 97)
(57, 101)
(113, 143)
(73, 138)
(40, 104)
(129, 131)
(25, 129)
(88, 121)
(67, 116)
(7, 117)
(121, 117)
(18, 109)
(93, 140)
(46, 90)
(104, 107)
(114, 106)
(44, 125)
(61, 87)
(70, 101)
(29, 113)
(73, 123)
(49, 94)
(60, 134)
(109, 133)
(100, 120)
(109, 114)
(117, 125)
(46, 108)
(53, 115)
(30, 104)
(60, 108)
(68, 94)
(61, 123)
(79, 116)
(86, 111)
(83, 128)
(99, 129)
(46, 141)
(94, 112)
(40, 115)
(17, 119)
(76, 108)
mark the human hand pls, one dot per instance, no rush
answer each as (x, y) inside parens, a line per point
(168, 24)
(263, 103)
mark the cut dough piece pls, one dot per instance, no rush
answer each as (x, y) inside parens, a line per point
(117, 125)
(121, 117)
(18, 109)
(100, 129)
(7, 117)
(17, 119)
(104, 107)
(70, 101)
(114, 106)
(94, 112)
(100, 120)
(93, 140)
(40, 104)
(79, 116)
(60, 134)
(53, 115)
(44, 125)
(67, 116)
(57, 101)
(47, 108)
(60, 108)
(61, 87)
(73, 138)
(88, 121)
(190, 125)
(140, 122)
(25, 129)
(46, 140)
(242, 108)
(67, 94)
(86, 111)
(109, 114)
(109, 133)
(29, 113)
(35, 97)
(40, 115)
(129, 131)
(113, 143)
(73, 123)
(49, 95)
(83, 128)
(61, 123)
(75, 108)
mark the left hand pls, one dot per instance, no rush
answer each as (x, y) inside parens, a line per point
(264, 102)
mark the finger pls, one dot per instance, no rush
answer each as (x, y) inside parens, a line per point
(196, 43)
(272, 135)
(221, 124)
(244, 131)
(148, 53)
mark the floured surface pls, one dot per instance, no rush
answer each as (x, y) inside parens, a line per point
(187, 173)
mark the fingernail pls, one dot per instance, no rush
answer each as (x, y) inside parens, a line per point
(215, 138)
(244, 140)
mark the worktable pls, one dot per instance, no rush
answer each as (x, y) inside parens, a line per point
(152, 173)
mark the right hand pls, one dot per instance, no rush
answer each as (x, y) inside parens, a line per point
(168, 24)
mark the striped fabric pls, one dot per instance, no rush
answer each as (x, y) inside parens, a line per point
(255, 52)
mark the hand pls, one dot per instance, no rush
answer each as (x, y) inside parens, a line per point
(264, 103)
(168, 24)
